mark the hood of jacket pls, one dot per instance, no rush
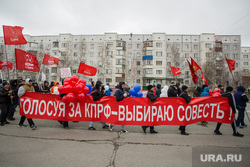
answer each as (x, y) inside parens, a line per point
(120, 85)
(206, 89)
(198, 89)
(12, 83)
(241, 88)
(55, 83)
(27, 81)
(98, 84)
(158, 86)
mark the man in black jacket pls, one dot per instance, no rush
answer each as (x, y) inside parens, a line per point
(152, 98)
(158, 90)
(232, 104)
(14, 101)
(5, 99)
(97, 93)
(174, 90)
(197, 92)
(64, 123)
(187, 99)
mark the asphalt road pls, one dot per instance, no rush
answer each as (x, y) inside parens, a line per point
(51, 145)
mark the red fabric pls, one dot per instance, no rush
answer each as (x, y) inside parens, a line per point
(194, 76)
(50, 60)
(175, 70)
(195, 65)
(26, 61)
(13, 35)
(87, 70)
(231, 64)
(130, 111)
(4, 64)
(204, 79)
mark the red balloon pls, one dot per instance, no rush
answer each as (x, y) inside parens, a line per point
(78, 88)
(86, 90)
(216, 90)
(71, 97)
(82, 81)
(66, 81)
(210, 92)
(216, 94)
(74, 79)
(61, 89)
(65, 99)
(80, 96)
(68, 89)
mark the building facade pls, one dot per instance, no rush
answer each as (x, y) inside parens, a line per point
(135, 58)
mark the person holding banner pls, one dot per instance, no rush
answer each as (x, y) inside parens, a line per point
(22, 90)
(45, 87)
(152, 98)
(14, 101)
(5, 101)
(120, 95)
(65, 124)
(232, 104)
(174, 90)
(187, 99)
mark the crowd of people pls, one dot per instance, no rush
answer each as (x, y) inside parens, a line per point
(11, 91)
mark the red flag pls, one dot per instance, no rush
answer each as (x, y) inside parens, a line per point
(4, 64)
(50, 60)
(13, 35)
(231, 64)
(194, 76)
(204, 79)
(26, 61)
(195, 65)
(175, 70)
(87, 70)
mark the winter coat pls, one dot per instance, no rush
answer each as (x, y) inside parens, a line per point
(96, 92)
(205, 92)
(14, 89)
(197, 92)
(45, 89)
(151, 96)
(231, 100)
(119, 92)
(25, 88)
(172, 92)
(52, 89)
(5, 97)
(37, 89)
(158, 91)
(240, 97)
(108, 92)
(186, 97)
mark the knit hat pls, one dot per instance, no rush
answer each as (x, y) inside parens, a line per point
(5, 83)
(184, 87)
(150, 87)
(229, 89)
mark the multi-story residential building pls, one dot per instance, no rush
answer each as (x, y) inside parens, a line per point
(135, 58)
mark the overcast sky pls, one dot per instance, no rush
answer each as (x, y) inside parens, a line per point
(52, 17)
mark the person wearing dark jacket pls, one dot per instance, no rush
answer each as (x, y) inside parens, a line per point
(14, 101)
(241, 99)
(187, 99)
(197, 92)
(158, 91)
(173, 90)
(45, 87)
(232, 104)
(64, 123)
(120, 95)
(152, 98)
(5, 100)
(97, 93)
(221, 88)
(36, 87)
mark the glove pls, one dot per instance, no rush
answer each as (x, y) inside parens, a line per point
(125, 94)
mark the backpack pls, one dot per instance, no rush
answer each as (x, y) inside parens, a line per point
(116, 91)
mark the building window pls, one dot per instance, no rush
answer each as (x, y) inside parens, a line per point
(84, 46)
(236, 56)
(108, 80)
(178, 46)
(53, 69)
(208, 45)
(245, 63)
(138, 72)
(158, 53)
(55, 44)
(148, 62)
(92, 46)
(110, 44)
(208, 54)
(91, 54)
(169, 46)
(74, 71)
(225, 47)
(75, 45)
(91, 63)
(226, 55)
(158, 63)
(168, 64)
(186, 82)
(120, 62)
(99, 54)
(178, 64)
(235, 47)
(158, 45)
(75, 54)
(109, 71)
(169, 55)
(119, 52)
(138, 63)
(187, 46)
(186, 55)
(109, 62)
(236, 65)
(149, 70)
(149, 52)
(186, 64)
(138, 46)
(129, 46)
(245, 56)
(63, 53)
(53, 78)
(138, 54)
(195, 55)
(83, 54)
(158, 71)
(119, 70)
(138, 81)
(100, 63)
(64, 45)
(186, 73)
(110, 53)
(62, 62)
(195, 47)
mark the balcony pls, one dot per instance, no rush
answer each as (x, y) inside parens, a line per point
(32, 47)
(120, 45)
(147, 44)
(218, 46)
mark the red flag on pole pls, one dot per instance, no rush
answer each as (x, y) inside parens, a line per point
(13, 35)
(175, 70)
(231, 64)
(87, 70)
(50, 60)
(194, 76)
(204, 79)
(26, 61)
(4, 64)
(195, 65)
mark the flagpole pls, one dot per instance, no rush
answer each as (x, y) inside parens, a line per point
(5, 50)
